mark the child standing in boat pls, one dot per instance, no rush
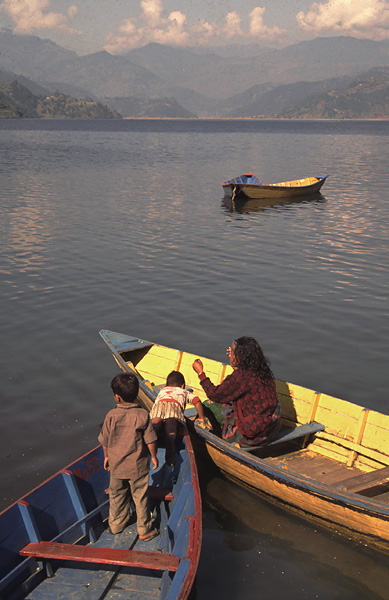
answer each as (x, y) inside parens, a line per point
(167, 414)
(127, 436)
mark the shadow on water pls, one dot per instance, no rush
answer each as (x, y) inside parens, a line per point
(278, 551)
(244, 205)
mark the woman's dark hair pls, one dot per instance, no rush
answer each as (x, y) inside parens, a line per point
(175, 379)
(249, 357)
(125, 385)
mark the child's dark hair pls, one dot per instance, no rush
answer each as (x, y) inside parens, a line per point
(125, 385)
(175, 379)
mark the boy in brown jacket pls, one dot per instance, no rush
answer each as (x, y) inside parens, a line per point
(127, 436)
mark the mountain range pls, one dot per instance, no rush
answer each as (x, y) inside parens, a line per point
(230, 82)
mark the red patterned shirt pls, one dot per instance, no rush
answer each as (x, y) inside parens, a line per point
(254, 400)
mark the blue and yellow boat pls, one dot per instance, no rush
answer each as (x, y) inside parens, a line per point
(249, 186)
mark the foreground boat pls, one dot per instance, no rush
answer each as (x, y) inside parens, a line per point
(249, 186)
(55, 543)
(330, 461)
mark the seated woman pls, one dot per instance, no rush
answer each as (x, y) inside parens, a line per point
(252, 413)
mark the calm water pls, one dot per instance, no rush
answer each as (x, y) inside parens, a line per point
(122, 225)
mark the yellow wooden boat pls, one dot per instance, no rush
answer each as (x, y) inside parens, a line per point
(249, 186)
(330, 461)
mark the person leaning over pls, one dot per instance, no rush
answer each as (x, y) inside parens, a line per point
(127, 436)
(252, 413)
(167, 414)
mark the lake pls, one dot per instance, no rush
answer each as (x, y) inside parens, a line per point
(122, 225)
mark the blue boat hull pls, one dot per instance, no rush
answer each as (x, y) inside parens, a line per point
(72, 508)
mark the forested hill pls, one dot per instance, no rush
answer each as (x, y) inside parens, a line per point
(16, 101)
(367, 97)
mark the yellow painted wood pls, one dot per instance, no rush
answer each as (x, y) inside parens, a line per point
(376, 434)
(358, 438)
(296, 182)
(314, 405)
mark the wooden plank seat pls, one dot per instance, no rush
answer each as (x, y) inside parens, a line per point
(368, 484)
(289, 435)
(159, 561)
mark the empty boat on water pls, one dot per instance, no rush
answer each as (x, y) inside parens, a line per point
(249, 186)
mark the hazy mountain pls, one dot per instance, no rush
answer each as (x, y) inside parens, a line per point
(315, 99)
(175, 65)
(149, 108)
(95, 76)
(35, 88)
(223, 76)
(257, 102)
(203, 82)
(31, 56)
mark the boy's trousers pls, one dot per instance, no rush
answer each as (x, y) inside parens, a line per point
(121, 492)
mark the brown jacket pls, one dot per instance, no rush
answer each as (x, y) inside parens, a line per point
(126, 432)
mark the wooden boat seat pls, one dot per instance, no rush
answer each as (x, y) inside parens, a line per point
(159, 561)
(290, 434)
(368, 484)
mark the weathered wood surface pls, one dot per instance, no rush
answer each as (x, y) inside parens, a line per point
(159, 561)
(375, 481)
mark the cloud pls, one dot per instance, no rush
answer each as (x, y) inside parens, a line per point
(259, 29)
(32, 15)
(358, 18)
(153, 26)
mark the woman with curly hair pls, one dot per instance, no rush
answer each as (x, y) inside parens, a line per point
(252, 413)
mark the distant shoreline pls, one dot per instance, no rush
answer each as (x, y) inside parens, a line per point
(239, 119)
(199, 119)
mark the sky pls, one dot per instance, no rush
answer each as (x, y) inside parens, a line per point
(117, 26)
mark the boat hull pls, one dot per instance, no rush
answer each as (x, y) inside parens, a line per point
(355, 441)
(287, 189)
(355, 518)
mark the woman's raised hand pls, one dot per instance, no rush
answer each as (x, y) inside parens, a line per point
(198, 366)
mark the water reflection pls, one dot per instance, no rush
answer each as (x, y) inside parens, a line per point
(309, 553)
(244, 205)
